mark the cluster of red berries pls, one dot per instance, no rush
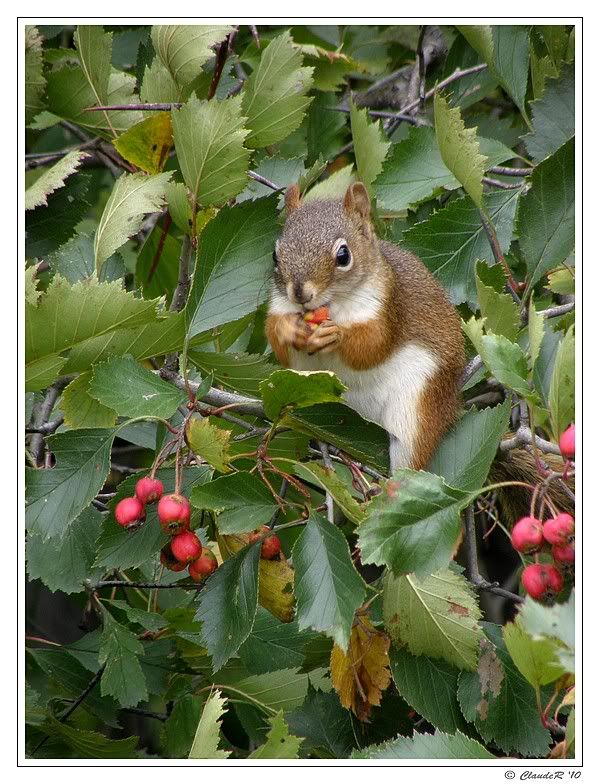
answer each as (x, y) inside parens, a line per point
(540, 580)
(543, 581)
(174, 512)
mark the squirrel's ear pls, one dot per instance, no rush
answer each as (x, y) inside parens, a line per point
(357, 202)
(292, 198)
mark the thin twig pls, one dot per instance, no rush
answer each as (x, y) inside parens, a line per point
(509, 186)
(510, 171)
(134, 584)
(41, 416)
(329, 465)
(263, 180)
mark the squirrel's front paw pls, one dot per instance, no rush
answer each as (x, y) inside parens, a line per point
(325, 338)
(293, 330)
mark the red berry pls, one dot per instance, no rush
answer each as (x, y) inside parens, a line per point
(567, 443)
(186, 547)
(203, 566)
(174, 514)
(563, 554)
(130, 512)
(149, 490)
(271, 548)
(542, 581)
(559, 530)
(169, 561)
(527, 535)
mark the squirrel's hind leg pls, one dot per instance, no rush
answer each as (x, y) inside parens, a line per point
(436, 412)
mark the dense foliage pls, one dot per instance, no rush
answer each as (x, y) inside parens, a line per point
(149, 240)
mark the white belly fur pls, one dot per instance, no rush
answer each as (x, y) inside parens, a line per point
(387, 394)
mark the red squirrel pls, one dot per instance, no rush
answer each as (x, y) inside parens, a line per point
(392, 336)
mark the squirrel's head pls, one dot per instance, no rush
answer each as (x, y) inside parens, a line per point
(326, 249)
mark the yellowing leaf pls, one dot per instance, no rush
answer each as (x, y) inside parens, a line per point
(147, 144)
(459, 148)
(362, 673)
(275, 579)
(209, 442)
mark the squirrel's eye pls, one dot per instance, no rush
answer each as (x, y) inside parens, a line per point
(342, 256)
(275, 258)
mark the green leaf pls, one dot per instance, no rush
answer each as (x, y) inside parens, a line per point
(227, 605)
(555, 623)
(535, 329)
(241, 501)
(56, 496)
(370, 145)
(92, 745)
(561, 396)
(151, 621)
(436, 616)
(279, 744)
(459, 148)
(500, 311)
(180, 728)
(299, 389)
(234, 265)
(53, 179)
(80, 409)
(500, 702)
(413, 525)
(239, 372)
(331, 482)
(164, 333)
(95, 52)
(118, 548)
(424, 746)
(535, 659)
(206, 741)
(63, 565)
(553, 116)
(324, 136)
(546, 218)
(466, 452)
(209, 442)
(158, 85)
(274, 645)
(123, 385)
(70, 94)
(334, 186)
(274, 97)
(429, 686)
(415, 169)
(48, 228)
(562, 281)
(505, 48)
(40, 373)
(74, 261)
(133, 196)
(341, 426)
(183, 49)
(209, 139)
(451, 241)
(66, 316)
(122, 678)
(34, 73)
(328, 588)
(324, 724)
(507, 362)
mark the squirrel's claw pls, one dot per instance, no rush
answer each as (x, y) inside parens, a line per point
(324, 339)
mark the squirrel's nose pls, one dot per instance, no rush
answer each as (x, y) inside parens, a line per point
(301, 292)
